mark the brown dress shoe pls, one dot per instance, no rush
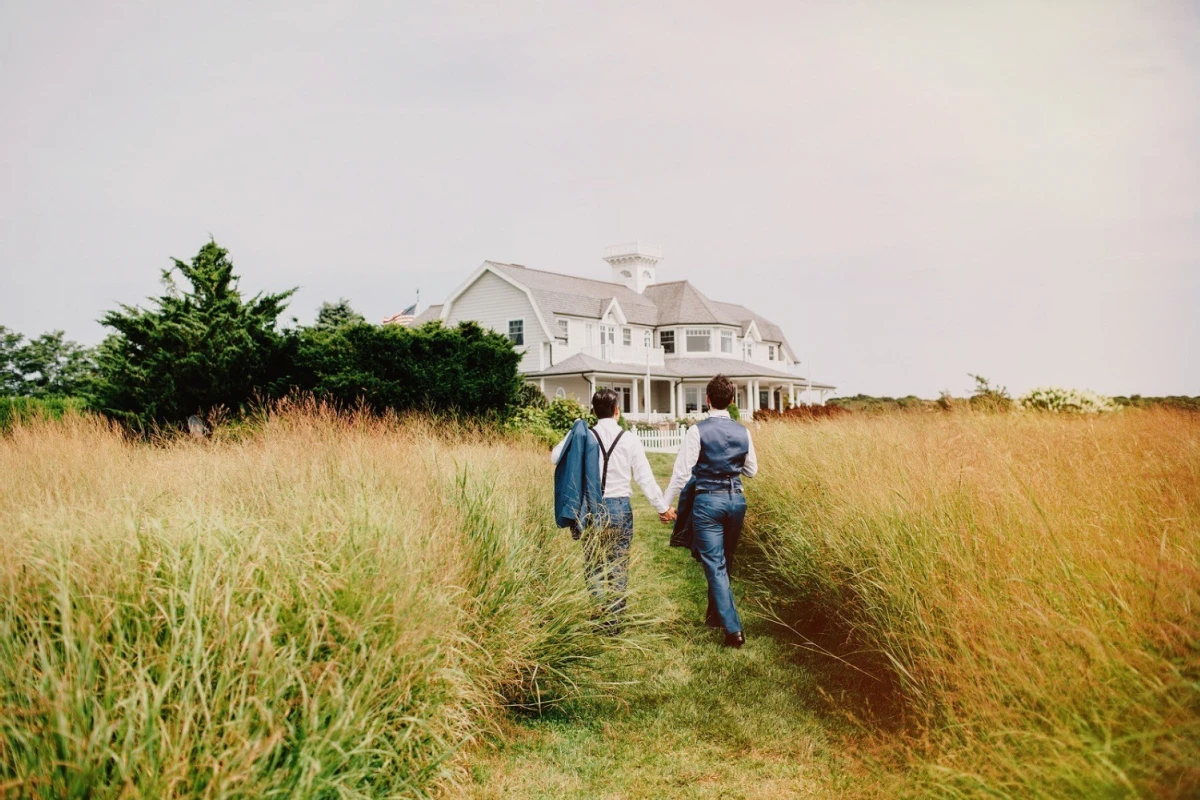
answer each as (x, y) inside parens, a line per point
(734, 640)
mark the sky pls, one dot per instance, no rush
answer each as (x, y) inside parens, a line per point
(915, 191)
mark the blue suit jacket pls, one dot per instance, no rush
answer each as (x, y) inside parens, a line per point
(577, 496)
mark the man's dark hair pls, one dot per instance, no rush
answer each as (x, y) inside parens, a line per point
(604, 404)
(721, 392)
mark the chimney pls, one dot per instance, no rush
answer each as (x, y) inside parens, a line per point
(634, 264)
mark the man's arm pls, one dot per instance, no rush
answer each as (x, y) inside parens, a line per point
(750, 468)
(644, 475)
(689, 454)
(556, 453)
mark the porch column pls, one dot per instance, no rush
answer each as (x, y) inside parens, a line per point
(770, 397)
(634, 405)
(592, 381)
(674, 413)
(542, 385)
(681, 405)
(749, 398)
(791, 395)
(648, 396)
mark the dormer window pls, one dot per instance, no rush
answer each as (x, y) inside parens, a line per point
(647, 340)
(626, 273)
(770, 352)
(749, 350)
(699, 340)
(727, 342)
(627, 337)
(564, 331)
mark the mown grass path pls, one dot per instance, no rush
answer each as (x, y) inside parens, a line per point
(694, 720)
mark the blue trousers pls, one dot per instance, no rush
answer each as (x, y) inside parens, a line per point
(717, 519)
(606, 554)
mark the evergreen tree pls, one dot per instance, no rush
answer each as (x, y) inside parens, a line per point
(195, 349)
(332, 316)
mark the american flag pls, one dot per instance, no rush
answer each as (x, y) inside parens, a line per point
(405, 317)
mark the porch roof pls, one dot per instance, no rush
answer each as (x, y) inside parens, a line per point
(678, 368)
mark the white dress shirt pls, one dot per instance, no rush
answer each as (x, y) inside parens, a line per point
(689, 454)
(627, 461)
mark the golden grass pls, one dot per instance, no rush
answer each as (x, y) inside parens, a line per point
(321, 606)
(1028, 583)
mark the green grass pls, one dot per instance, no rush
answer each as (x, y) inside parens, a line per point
(691, 720)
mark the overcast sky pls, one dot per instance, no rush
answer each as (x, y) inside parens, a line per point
(914, 190)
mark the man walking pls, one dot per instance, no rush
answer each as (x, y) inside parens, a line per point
(606, 545)
(717, 452)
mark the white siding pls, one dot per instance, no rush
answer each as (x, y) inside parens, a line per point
(492, 302)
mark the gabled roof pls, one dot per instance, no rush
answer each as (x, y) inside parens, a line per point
(580, 297)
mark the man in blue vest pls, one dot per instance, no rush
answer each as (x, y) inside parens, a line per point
(717, 452)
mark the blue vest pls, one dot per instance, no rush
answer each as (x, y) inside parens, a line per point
(724, 445)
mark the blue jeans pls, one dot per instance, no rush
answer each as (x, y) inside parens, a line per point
(606, 554)
(717, 519)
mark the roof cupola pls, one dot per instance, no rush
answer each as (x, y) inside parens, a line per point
(634, 264)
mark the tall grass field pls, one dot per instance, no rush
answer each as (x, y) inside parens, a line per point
(1024, 588)
(322, 606)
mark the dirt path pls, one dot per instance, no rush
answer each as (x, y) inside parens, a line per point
(694, 719)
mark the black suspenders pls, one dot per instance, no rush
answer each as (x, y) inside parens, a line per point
(606, 454)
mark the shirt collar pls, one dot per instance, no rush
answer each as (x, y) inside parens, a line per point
(610, 422)
(718, 413)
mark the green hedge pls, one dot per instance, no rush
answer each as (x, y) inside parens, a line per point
(23, 409)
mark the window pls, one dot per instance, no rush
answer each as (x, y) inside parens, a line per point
(699, 340)
(516, 331)
(666, 340)
(749, 350)
(691, 400)
(647, 340)
(727, 342)
(762, 399)
(770, 352)
(589, 331)
(560, 393)
(564, 330)
(627, 337)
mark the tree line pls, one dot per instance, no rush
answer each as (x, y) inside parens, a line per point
(203, 346)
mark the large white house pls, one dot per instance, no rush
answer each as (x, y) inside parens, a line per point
(656, 344)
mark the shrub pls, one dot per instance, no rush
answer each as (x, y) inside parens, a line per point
(534, 422)
(734, 412)
(464, 369)
(564, 411)
(990, 398)
(1058, 400)
(24, 410)
(531, 396)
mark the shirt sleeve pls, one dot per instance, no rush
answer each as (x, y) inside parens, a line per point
(750, 468)
(556, 453)
(644, 475)
(689, 454)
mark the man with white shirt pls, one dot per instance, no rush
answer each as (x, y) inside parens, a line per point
(717, 452)
(622, 461)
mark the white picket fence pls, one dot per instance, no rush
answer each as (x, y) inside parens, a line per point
(657, 440)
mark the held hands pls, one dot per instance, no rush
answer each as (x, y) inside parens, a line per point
(667, 516)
